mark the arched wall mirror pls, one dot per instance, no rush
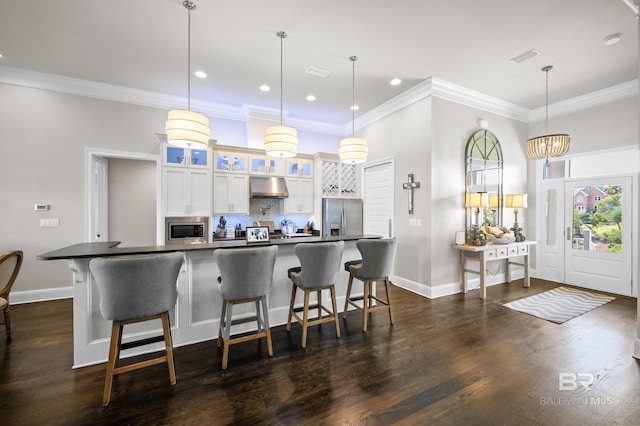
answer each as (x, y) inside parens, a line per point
(484, 174)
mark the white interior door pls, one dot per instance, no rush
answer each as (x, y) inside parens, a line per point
(598, 221)
(378, 198)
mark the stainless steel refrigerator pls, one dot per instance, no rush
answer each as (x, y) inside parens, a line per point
(341, 217)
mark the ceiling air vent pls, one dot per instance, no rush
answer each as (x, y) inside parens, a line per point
(524, 56)
(319, 72)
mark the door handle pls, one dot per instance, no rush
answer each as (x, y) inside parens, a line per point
(568, 233)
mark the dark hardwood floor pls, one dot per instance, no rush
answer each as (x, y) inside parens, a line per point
(455, 360)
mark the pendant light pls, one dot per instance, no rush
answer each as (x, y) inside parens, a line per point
(185, 128)
(548, 145)
(281, 141)
(353, 150)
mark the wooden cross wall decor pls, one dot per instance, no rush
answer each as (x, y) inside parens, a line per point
(411, 185)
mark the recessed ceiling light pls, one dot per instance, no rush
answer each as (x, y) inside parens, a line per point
(265, 88)
(395, 82)
(311, 98)
(355, 107)
(200, 74)
(524, 56)
(612, 39)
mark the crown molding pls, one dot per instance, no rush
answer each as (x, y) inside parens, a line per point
(431, 86)
(589, 100)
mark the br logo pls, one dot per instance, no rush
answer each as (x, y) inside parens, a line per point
(572, 381)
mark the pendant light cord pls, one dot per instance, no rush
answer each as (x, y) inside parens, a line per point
(189, 58)
(189, 5)
(282, 35)
(353, 96)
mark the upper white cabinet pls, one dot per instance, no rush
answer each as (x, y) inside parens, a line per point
(230, 162)
(174, 156)
(300, 198)
(186, 192)
(300, 167)
(265, 165)
(230, 193)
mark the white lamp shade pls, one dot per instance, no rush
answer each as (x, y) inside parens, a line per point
(281, 141)
(516, 201)
(476, 199)
(353, 150)
(494, 201)
(187, 129)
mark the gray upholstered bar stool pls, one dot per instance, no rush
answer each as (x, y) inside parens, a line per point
(246, 275)
(319, 263)
(135, 289)
(377, 262)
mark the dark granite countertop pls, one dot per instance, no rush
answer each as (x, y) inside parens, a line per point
(111, 248)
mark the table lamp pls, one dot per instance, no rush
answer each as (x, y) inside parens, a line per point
(515, 202)
(476, 200)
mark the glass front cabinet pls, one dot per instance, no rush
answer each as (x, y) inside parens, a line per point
(264, 165)
(300, 168)
(184, 157)
(230, 162)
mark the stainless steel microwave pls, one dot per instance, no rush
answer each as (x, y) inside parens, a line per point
(186, 230)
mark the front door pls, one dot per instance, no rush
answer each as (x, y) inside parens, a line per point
(598, 248)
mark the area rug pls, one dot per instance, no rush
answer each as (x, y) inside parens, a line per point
(560, 304)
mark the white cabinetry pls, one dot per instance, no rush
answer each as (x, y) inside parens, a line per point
(186, 192)
(230, 193)
(229, 162)
(265, 165)
(184, 157)
(299, 167)
(300, 198)
(340, 180)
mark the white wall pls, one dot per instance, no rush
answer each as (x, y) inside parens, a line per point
(132, 202)
(406, 136)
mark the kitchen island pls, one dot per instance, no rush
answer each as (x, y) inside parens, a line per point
(196, 316)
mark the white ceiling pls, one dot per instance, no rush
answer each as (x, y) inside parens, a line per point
(142, 44)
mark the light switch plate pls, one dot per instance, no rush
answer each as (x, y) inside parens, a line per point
(49, 223)
(415, 222)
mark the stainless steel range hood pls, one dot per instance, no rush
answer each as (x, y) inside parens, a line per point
(268, 187)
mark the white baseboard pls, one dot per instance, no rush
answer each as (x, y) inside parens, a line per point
(30, 296)
(452, 288)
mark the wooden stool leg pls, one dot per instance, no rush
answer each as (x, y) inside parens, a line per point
(305, 318)
(114, 353)
(319, 297)
(168, 343)
(332, 289)
(260, 328)
(293, 299)
(7, 321)
(365, 305)
(346, 300)
(265, 314)
(221, 327)
(227, 332)
(387, 283)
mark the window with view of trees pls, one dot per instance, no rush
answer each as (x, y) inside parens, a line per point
(597, 218)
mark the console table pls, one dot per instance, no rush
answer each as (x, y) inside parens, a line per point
(489, 252)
